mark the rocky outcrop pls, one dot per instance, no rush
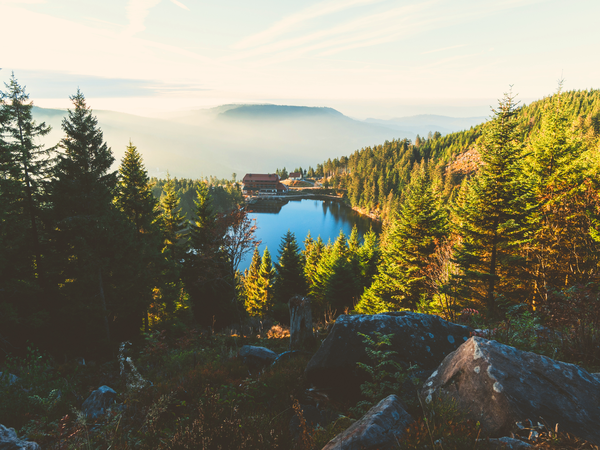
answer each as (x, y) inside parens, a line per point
(418, 338)
(506, 443)
(98, 402)
(257, 357)
(10, 441)
(499, 385)
(8, 378)
(381, 428)
(301, 326)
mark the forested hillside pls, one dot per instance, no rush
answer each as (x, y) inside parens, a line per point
(375, 178)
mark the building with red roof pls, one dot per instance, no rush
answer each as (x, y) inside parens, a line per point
(262, 183)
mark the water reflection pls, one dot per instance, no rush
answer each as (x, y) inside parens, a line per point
(274, 218)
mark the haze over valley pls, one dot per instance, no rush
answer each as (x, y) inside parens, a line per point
(248, 138)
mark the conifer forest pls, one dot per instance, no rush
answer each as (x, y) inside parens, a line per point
(496, 227)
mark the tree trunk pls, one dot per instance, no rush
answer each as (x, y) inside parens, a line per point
(103, 300)
(301, 327)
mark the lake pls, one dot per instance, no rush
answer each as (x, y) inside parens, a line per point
(323, 218)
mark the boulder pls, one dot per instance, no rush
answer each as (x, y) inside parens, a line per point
(8, 378)
(257, 357)
(313, 417)
(10, 441)
(499, 385)
(506, 443)
(380, 428)
(301, 326)
(418, 338)
(98, 402)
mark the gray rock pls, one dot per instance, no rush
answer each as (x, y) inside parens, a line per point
(301, 326)
(418, 338)
(506, 443)
(8, 378)
(98, 402)
(257, 357)
(10, 441)
(499, 385)
(381, 428)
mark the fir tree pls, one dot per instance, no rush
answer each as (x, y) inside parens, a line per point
(564, 176)
(290, 277)
(135, 200)
(265, 282)
(173, 223)
(90, 233)
(252, 297)
(493, 220)
(402, 279)
(26, 162)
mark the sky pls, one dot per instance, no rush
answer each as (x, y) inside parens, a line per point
(366, 58)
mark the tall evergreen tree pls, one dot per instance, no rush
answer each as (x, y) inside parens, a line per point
(289, 280)
(252, 297)
(25, 161)
(207, 273)
(290, 270)
(264, 299)
(91, 234)
(135, 200)
(565, 179)
(412, 238)
(173, 223)
(494, 218)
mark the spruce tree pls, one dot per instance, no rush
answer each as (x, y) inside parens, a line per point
(265, 282)
(135, 200)
(493, 221)
(565, 173)
(24, 161)
(402, 279)
(91, 235)
(207, 275)
(290, 270)
(173, 223)
(252, 298)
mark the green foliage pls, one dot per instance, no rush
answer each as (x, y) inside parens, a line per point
(443, 427)
(405, 274)
(289, 278)
(493, 220)
(37, 395)
(387, 375)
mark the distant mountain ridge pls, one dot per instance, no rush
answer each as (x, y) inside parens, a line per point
(244, 138)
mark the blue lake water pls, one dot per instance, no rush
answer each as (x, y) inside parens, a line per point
(323, 218)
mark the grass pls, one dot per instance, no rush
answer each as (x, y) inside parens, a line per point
(197, 394)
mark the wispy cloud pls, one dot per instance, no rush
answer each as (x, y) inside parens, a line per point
(181, 5)
(137, 11)
(442, 49)
(284, 25)
(22, 2)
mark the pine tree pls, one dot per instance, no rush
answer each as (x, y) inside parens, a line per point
(493, 220)
(173, 223)
(266, 278)
(290, 270)
(402, 279)
(289, 280)
(90, 233)
(135, 200)
(26, 162)
(252, 297)
(564, 176)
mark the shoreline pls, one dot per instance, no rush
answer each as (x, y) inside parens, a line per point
(312, 196)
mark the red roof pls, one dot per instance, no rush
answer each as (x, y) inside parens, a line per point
(250, 177)
(295, 175)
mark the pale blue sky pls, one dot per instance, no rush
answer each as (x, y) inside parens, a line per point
(361, 56)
